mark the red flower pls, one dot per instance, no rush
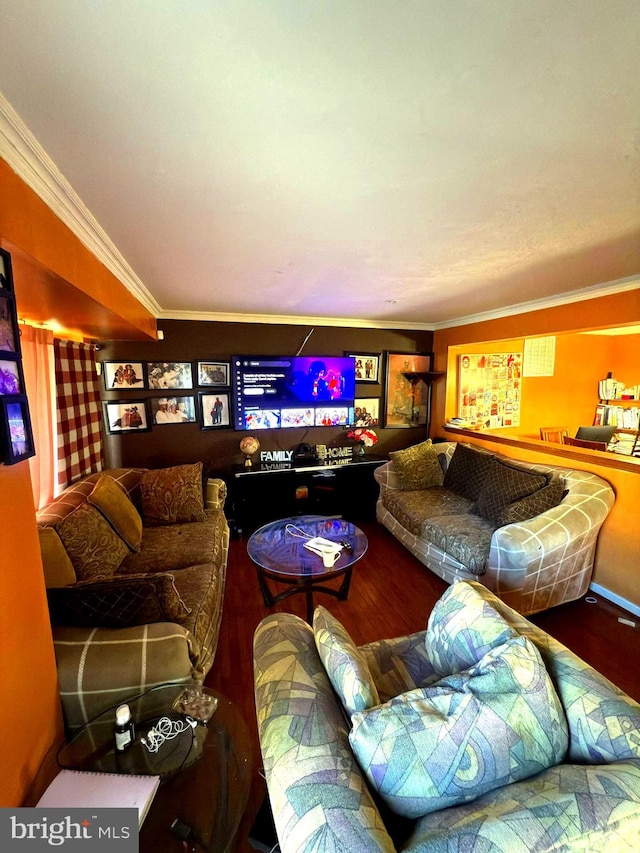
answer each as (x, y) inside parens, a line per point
(363, 435)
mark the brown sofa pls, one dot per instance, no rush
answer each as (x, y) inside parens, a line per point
(135, 565)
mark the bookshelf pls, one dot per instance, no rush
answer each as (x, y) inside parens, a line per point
(625, 415)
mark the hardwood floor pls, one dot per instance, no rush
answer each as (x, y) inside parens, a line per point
(392, 594)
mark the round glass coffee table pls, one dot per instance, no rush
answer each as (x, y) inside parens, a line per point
(205, 771)
(278, 551)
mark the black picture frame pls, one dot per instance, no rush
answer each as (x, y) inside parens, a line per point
(169, 375)
(206, 404)
(367, 366)
(117, 416)
(123, 375)
(406, 396)
(213, 374)
(15, 428)
(11, 378)
(6, 272)
(173, 409)
(9, 331)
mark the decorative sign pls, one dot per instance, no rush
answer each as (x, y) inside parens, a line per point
(489, 389)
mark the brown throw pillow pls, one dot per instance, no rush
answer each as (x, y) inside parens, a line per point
(118, 603)
(505, 484)
(545, 498)
(467, 471)
(58, 568)
(96, 551)
(418, 466)
(110, 499)
(173, 495)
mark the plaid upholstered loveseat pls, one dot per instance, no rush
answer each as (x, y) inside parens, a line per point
(481, 734)
(528, 532)
(135, 565)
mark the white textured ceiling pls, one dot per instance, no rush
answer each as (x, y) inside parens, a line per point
(389, 161)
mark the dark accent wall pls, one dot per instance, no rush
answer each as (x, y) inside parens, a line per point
(193, 340)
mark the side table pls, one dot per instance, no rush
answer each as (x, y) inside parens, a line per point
(205, 771)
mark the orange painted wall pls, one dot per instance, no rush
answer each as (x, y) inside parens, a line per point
(568, 397)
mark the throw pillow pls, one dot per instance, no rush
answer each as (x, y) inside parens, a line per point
(58, 568)
(173, 495)
(438, 746)
(95, 550)
(545, 498)
(463, 627)
(111, 500)
(467, 471)
(504, 484)
(119, 603)
(418, 466)
(345, 665)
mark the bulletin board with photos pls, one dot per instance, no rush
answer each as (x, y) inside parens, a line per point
(489, 386)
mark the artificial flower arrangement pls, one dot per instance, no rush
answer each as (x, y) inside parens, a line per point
(363, 435)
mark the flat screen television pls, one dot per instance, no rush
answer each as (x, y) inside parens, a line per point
(596, 433)
(279, 392)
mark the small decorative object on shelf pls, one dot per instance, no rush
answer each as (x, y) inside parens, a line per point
(124, 730)
(364, 437)
(249, 445)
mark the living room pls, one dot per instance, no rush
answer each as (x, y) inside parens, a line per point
(54, 269)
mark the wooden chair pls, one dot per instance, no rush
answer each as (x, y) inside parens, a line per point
(581, 442)
(555, 434)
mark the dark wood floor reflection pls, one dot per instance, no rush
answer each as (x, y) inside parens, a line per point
(392, 594)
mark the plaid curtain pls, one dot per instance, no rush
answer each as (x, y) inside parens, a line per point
(79, 417)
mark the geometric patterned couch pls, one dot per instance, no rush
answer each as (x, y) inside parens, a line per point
(532, 557)
(322, 796)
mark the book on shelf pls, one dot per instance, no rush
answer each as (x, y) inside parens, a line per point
(93, 789)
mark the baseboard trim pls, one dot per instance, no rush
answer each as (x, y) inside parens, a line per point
(616, 599)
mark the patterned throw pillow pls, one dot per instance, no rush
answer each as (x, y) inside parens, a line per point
(95, 550)
(463, 627)
(545, 498)
(418, 466)
(467, 471)
(119, 603)
(346, 666)
(173, 495)
(505, 484)
(110, 499)
(58, 568)
(434, 747)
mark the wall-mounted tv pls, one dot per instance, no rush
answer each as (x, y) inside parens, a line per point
(276, 392)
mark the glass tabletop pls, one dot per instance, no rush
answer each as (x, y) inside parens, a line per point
(279, 545)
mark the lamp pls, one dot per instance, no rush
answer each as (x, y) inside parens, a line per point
(428, 377)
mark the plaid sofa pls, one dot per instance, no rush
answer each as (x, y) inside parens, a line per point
(99, 667)
(322, 796)
(533, 564)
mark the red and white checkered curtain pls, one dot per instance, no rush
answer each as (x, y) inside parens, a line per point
(79, 412)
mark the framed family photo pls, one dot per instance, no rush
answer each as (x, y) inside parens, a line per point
(168, 375)
(123, 376)
(173, 410)
(367, 366)
(214, 410)
(125, 416)
(406, 396)
(213, 373)
(367, 412)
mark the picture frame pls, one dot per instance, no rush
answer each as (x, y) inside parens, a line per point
(9, 332)
(11, 382)
(367, 412)
(213, 373)
(213, 416)
(6, 272)
(406, 396)
(168, 375)
(367, 366)
(123, 375)
(177, 409)
(15, 429)
(125, 416)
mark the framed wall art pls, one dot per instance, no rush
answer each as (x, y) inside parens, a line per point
(173, 410)
(214, 410)
(367, 366)
(168, 375)
(15, 427)
(406, 394)
(213, 373)
(126, 416)
(489, 388)
(9, 335)
(123, 376)
(367, 412)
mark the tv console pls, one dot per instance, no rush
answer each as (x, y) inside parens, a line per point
(268, 491)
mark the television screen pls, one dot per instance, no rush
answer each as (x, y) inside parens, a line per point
(276, 392)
